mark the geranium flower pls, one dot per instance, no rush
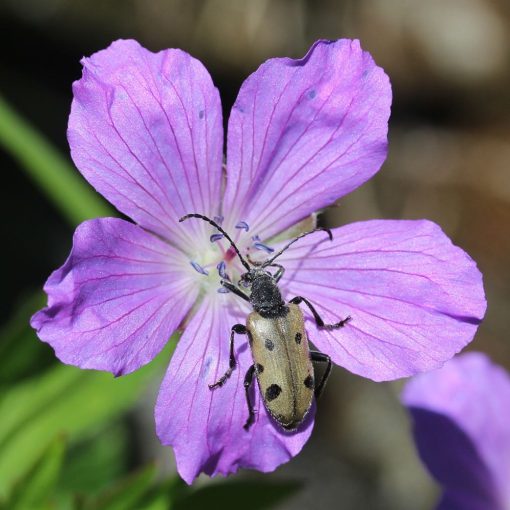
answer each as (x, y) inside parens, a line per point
(461, 427)
(146, 131)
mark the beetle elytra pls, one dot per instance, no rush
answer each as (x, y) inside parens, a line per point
(282, 360)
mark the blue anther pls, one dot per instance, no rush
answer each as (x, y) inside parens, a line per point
(221, 269)
(218, 219)
(216, 237)
(198, 268)
(255, 238)
(223, 290)
(243, 225)
(262, 246)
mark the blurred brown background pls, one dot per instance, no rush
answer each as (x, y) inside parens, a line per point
(449, 161)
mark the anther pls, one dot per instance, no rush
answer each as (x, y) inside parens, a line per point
(221, 269)
(223, 290)
(243, 225)
(262, 246)
(218, 219)
(216, 237)
(198, 268)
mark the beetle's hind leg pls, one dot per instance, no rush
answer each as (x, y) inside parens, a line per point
(318, 319)
(319, 357)
(240, 329)
(248, 379)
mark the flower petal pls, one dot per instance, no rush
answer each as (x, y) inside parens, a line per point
(303, 133)
(116, 300)
(414, 298)
(205, 427)
(472, 396)
(146, 131)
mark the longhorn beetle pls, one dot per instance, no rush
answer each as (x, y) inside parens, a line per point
(282, 360)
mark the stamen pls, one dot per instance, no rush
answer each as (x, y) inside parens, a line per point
(221, 269)
(216, 237)
(223, 290)
(218, 219)
(255, 238)
(262, 246)
(198, 268)
(243, 225)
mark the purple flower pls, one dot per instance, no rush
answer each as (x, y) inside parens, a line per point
(146, 131)
(461, 416)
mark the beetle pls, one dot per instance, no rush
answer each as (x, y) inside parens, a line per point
(282, 359)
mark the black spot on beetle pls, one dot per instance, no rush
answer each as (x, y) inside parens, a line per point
(309, 382)
(269, 344)
(259, 368)
(272, 392)
(299, 336)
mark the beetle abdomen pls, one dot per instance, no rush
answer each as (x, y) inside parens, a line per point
(282, 362)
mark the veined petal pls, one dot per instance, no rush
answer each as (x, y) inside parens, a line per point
(205, 427)
(303, 133)
(116, 300)
(414, 298)
(461, 414)
(146, 131)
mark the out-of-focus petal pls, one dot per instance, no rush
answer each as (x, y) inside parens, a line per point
(302, 133)
(146, 131)
(414, 298)
(205, 427)
(116, 300)
(472, 396)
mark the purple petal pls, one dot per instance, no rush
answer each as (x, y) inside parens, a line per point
(414, 298)
(205, 427)
(305, 132)
(116, 300)
(470, 456)
(146, 131)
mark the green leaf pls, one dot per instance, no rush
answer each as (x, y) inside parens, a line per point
(235, 494)
(35, 490)
(53, 173)
(63, 401)
(21, 353)
(96, 462)
(125, 494)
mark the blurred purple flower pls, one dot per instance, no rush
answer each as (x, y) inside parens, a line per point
(146, 131)
(461, 416)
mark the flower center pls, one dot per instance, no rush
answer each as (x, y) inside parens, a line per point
(216, 260)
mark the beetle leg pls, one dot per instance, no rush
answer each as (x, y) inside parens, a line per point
(278, 275)
(232, 288)
(248, 379)
(240, 330)
(319, 357)
(299, 299)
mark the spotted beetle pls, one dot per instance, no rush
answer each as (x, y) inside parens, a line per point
(282, 360)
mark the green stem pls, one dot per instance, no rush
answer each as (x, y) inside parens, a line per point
(65, 187)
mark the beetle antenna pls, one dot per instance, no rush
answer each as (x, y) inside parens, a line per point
(320, 229)
(215, 225)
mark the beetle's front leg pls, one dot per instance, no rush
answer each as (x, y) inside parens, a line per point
(235, 290)
(318, 320)
(248, 379)
(319, 357)
(279, 273)
(240, 330)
